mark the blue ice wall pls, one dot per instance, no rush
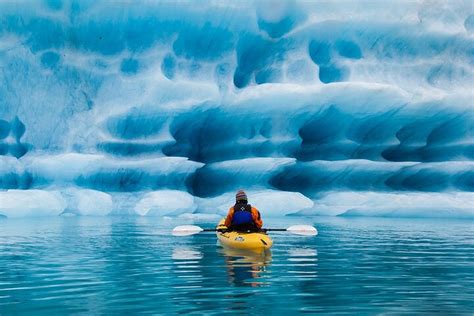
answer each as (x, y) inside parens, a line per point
(360, 96)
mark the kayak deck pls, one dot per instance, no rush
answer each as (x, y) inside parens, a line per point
(243, 240)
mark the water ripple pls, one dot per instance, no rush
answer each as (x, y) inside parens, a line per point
(125, 266)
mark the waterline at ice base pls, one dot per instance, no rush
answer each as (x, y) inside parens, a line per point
(352, 108)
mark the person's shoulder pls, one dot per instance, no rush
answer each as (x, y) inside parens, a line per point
(254, 208)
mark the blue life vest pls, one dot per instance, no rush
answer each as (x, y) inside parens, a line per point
(242, 219)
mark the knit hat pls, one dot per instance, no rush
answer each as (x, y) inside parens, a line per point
(241, 196)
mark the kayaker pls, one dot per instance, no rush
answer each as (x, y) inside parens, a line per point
(242, 216)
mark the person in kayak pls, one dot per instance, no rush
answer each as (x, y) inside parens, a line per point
(242, 216)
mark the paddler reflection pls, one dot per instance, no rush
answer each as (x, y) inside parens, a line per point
(246, 267)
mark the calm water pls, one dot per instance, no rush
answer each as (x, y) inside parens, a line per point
(125, 265)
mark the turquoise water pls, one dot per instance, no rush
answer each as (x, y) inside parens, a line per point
(131, 265)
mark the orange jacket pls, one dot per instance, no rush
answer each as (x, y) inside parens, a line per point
(255, 216)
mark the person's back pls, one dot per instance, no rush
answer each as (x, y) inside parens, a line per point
(242, 216)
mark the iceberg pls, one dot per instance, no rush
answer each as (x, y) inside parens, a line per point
(270, 203)
(412, 205)
(165, 202)
(88, 202)
(316, 108)
(280, 203)
(30, 203)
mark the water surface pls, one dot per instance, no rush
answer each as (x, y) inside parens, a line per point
(131, 265)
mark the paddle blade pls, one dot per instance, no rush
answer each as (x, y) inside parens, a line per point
(186, 230)
(304, 230)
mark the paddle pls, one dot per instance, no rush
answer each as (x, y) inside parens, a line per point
(187, 230)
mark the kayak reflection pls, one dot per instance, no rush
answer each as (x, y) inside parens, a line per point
(186, 253)
(246, 267)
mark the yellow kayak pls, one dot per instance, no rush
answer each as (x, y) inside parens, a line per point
(239, 240)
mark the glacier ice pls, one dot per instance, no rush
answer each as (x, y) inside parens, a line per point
(89, 202)
(270, 203)
(320, 108)
(165, 203)
(31, 203)
(415, 205)
(279, 203)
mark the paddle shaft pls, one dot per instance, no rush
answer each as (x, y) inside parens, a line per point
(228, 230)
(187, 230)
